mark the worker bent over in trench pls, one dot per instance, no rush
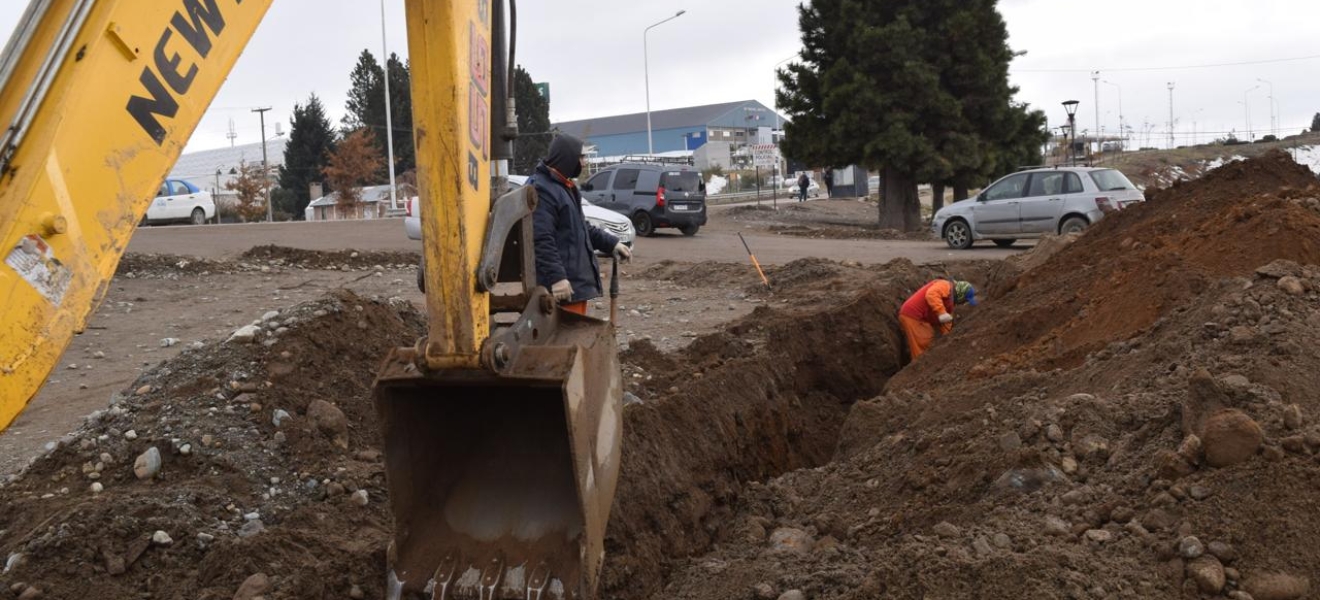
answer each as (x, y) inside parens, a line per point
(931, 307)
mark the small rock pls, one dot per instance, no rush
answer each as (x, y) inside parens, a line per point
(330, 421)
(144, 390)
(1099, 536)
(205, 538)
(1295, 444)
(787, 540)
(1230, 437)
(1190, 547)
(97, 487)
(1171, 465)
(1122, 514)
(1010, 442)
(1292, 417)
(130, 435)
(1002, 541)
(359, 498)
(1232, 574)
(1207, 573)
(245, 335)
(270, 316)
(1074, 497)
(1199, 492)
(160, 538)
(280, 438)
(253, 587)
(169, 342)
(1092, 447)
(356, 593)
(1191, 449)
(793, 595)
(335, 489)
(946, 529)
(1069, 465)
(98, 354)
(1292, 285)
(1158, 520)
(1057, 527)
(147, 464)
(32, 593)
(765, 591)
(1276, 586)
(185, 449)
(114, 563)
(982, 547)
(1054, 433)
(1223, 551)
(369, 456)
(279, 417)
(1273, 453)
(251, 528)
(1240, 595)
(208, 440)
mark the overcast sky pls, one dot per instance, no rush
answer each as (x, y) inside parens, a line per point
(590, 51)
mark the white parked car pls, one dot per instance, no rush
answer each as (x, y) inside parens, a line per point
(178, 201)
(615, 223)
(1035, 203)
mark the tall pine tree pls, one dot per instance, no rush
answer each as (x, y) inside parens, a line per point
(311, 141)
(1315, 123)
(366, 106)
(917, 89)
(533, 142)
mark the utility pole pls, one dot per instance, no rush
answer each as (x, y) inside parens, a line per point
(1122, 131)
(265, 164)
(389, 108)
(1274, 126)
(1172, 141)
(646, 74)
(1099, 143)
(1246, 104)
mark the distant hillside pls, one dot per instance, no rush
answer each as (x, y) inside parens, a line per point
(1160, 168)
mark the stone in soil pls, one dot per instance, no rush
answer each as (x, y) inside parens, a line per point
(160, 538)
(31, 593)
(1223, 551)
(1276, 586)
(787, 540)
(253, 587)
(245, 335)
(1292, 417)
(1230, 438)
(147, 465)
(1190, 547)
(793, 595)
(359, 498)
(330, 421)
(251, 528)
(946, 529)
(1208, 574)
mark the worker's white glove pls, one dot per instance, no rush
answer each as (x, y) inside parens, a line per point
(946, 318)
(562, 290)
(622, 252)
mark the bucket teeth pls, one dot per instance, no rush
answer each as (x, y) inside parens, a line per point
(494, 582)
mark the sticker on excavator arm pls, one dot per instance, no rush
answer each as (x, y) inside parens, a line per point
(35, 262)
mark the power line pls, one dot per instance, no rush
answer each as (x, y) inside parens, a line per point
(1180, 68)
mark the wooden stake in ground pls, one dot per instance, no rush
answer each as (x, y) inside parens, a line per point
(755, 263)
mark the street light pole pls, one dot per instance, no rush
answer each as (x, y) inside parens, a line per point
(1246, 103)
(646, 73)
(1071, 108)
(265, 164)
(1095, 80)
(778, 125)
(1122, 132)
(1172, 141)
(389, 108)
(1273, 125)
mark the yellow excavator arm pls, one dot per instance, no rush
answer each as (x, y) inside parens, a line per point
(502, 443)
(98, 98)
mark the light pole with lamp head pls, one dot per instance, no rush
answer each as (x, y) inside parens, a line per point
(1071, 108)
(1246, 102)
(1273, 126)
(1122, 135)
(778, 125)
(646, 73)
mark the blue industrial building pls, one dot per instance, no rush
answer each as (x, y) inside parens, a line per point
(736, 123)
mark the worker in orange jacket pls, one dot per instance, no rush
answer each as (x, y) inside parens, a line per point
(931, 307)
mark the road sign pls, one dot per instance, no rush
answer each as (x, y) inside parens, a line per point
(544, 90)
(765, 155)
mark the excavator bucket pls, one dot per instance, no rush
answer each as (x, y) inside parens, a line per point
(501, 485)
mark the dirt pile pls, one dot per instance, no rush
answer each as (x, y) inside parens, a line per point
(245, 455)
(262, 259)
(320, 259)
(1088, 468)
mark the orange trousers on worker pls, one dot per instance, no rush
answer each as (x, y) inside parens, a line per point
(919, 334)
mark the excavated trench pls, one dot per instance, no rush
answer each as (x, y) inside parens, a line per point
(767, 396)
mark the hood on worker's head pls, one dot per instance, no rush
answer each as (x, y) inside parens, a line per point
(964, 293)
(565, 156)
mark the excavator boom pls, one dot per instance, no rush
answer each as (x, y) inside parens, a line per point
(502, 428)
(98, 98)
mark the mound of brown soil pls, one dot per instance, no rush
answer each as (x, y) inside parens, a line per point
(320, 259)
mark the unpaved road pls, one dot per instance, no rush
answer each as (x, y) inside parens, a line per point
(718, 241)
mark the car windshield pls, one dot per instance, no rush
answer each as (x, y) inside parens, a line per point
(681, 181)
(1110, 180)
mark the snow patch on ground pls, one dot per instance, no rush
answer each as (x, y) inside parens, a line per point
(716, 184)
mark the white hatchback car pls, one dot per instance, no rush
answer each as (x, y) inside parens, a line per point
(615, 223)
(180, 202)
(1035, 203)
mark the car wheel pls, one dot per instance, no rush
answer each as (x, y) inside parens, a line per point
(143, 222)
(690, 230)
(1005, 243)
(1073, 225)
(642, 223)
(958, 235)
(198, 217)
(421, 275)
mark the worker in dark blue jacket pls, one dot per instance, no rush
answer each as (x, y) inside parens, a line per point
(565, 241)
